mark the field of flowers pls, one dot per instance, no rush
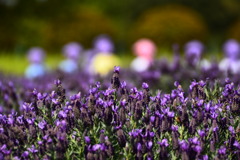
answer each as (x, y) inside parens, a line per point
(155, 114)
(141, 80)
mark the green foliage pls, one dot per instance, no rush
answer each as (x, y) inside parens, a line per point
(19, 62)
(52, 61)
(16, 30)
(81, 25)
(169, 24)
(234, 31)
(7, 28)
(32, 32)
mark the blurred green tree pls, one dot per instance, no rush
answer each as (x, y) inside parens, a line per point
(82, 25)
(169, 24)
(218, 14)
(234, 31)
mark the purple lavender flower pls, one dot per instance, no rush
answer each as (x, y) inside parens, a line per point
(200, 103)
(174, 94)
(123, 103)
(231, 129)
(155, 122)
(231, 49)
(184, 145)
(176, 83)
(32, 149)
(62, 114)
(164, 143)
(174, 128)
(55, 101)
(149, 157)
(194, 141)
(63, 124)
(151, 134)
(202, 83)
(170, 114)
(201, 133)
(95, 147)
(49, 140)
(116, 69)
(16, 158)
(72, 50)
(207, 106)
(103, 44)
(42, 124)
(30, 120)
(135, 132)
(4, 149)
(36, 55)
(123, 84)
(205, 157)
(133, 90)
(1, 130)
(57, 82)
(40, 96)
(149, 145)
(25, 154)
(40, 142)
(152, 119)
(145, 86)
(103, 147)
(197, 148)
(215, 129)
(93, 90)
(236, 144)
(214, 115)
(139, 146)
(27, 107)
(10, 120)
(192, 85)
(193, 52)
(222, 150)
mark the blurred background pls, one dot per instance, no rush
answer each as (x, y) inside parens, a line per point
(51, 24)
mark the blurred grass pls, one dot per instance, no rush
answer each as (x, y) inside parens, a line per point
(12, 63)
(17, 63)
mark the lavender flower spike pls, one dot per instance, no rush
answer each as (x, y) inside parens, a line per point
(145, 85)
(116, 69)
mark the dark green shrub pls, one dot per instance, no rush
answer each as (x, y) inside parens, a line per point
(234, 31)
(32, 32)
(169, 24)
(7, 31)
(82, 26)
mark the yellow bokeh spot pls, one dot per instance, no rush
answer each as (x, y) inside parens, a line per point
(103, 63)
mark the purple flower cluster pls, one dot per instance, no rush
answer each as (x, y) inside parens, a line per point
(119, 121)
